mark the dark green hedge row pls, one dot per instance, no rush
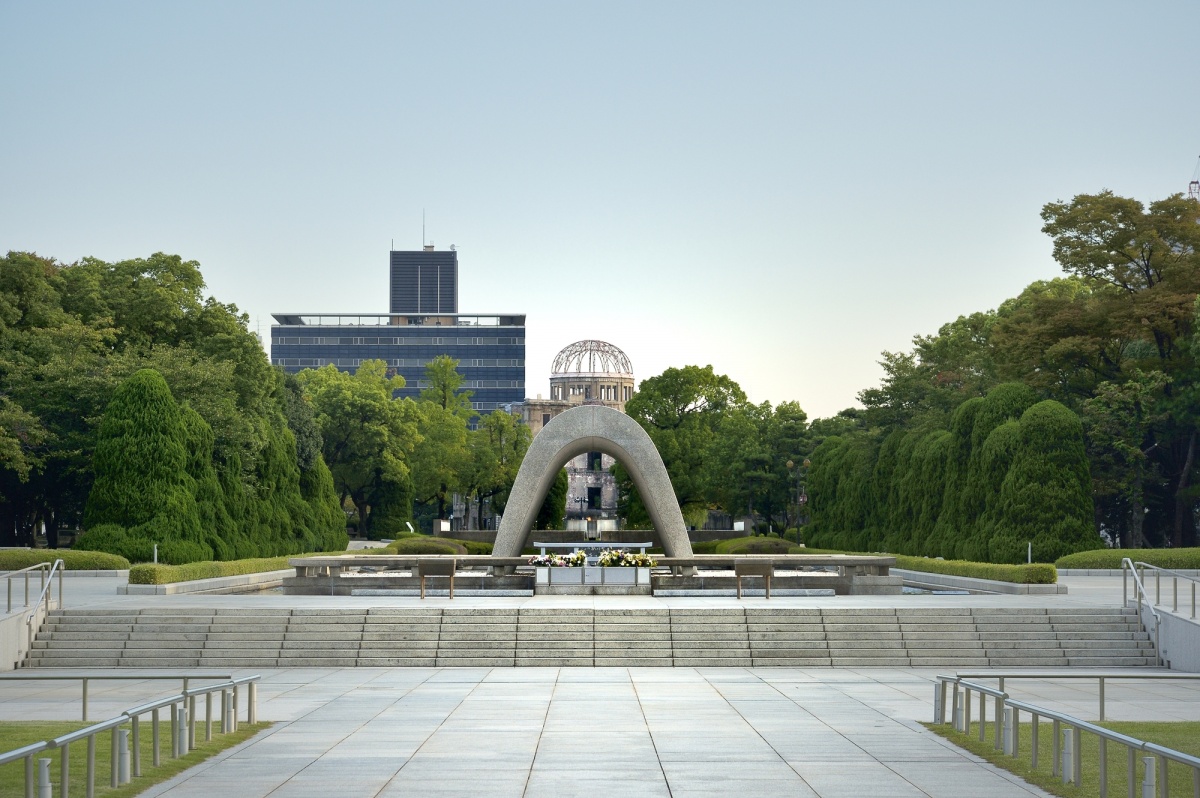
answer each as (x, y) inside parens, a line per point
(16, 559)
(160, 574)
(1035, 574)
(1184, 559)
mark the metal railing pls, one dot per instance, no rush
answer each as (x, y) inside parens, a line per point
(47, 573)
(136, 677)
(125, 754)
(1141, 595)
(1066, 743)
(1139, 573)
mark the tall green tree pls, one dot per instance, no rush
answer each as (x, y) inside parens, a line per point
(1045, 498)
(143, 493)
(367, 436)
(681, 409)
(442, 460)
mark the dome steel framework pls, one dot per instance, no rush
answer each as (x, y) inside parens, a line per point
(591, 357)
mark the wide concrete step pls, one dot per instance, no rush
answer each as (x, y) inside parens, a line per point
(428, 636)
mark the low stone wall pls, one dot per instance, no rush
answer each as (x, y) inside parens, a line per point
(242, 583)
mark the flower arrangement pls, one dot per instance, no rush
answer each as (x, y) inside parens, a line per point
(574, 560)
(619, 558)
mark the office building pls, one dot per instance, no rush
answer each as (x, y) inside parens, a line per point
(424, 281)
(423, 324)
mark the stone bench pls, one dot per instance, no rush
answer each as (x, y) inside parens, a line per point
(760, 568)
(436, 566)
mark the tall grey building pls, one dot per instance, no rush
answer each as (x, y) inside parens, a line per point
(425, 281)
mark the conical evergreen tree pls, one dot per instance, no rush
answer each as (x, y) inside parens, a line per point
(952, 526)
(992, 464)
(143, 494)
(1046, 495)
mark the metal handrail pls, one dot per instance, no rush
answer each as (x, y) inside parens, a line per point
(1158, 573)
(1101, 676)
(183, 733)
(8, 576)
(1127, 566)
(58, 567)
(1006, 735)
(87, 677)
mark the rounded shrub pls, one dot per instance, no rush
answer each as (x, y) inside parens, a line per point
(423, 545)
(753, 546)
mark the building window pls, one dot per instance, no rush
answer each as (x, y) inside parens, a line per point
(545, 419)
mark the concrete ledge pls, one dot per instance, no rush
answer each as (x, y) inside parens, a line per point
(437, 593)
(970, 583)
(123, 573)
(1117, 572)
(243, 583)
(749, 592)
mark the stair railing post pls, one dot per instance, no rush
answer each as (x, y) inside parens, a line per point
(137, 747)
(154, 740)
(191, 722)
(252, 701)
(64, 770)
(114, 757)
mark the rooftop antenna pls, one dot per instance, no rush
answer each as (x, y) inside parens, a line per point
(423, 227)
(1194, 186)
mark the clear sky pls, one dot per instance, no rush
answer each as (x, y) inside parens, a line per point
(782, 190)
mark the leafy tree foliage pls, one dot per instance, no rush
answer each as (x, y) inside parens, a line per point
(143, 492)
(554, 507)
(368, 438)
(1112, 341)
(71, 334)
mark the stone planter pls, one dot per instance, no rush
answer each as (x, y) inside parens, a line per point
(624, 576)
(593, 575)
(560, 576)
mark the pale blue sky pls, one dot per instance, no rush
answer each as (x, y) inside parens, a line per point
(782, 190)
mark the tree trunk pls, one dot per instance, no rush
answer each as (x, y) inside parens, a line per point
(1184, 533)
(1135, 538)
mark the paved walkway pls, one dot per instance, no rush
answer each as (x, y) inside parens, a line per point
(533, 732)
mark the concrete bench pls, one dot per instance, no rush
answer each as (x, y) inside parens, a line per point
(761, 568)
(440, 566)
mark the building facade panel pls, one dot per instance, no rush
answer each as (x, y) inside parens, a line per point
(423, 281)
(490, 348)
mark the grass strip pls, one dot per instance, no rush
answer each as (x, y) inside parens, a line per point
(1181, 736)
(15, 734)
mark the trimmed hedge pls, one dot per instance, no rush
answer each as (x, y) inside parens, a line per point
(1179, 559)
(1035, 574)
(16, 559)
(752, 545)
(159, 574)
(705, 547)
(423, 545)
(405, 545)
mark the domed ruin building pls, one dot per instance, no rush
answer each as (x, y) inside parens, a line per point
(594, 373)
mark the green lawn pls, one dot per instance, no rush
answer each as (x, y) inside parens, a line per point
(15, 734)
(1182, 736)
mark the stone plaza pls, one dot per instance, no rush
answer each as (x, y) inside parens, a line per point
(637, 731)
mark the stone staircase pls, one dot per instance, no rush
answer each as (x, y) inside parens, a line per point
(452, 636)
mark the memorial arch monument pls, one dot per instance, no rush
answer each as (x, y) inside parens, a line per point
(591, 428)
